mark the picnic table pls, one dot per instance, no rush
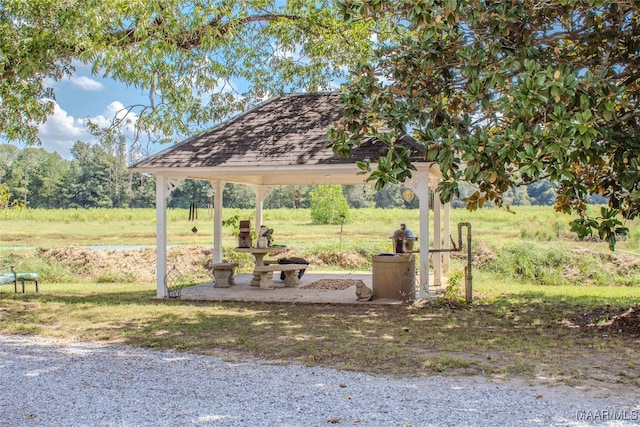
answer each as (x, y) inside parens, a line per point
(259, 254)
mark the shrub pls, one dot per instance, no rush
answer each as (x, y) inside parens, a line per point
(328, 205)
(453, 291)
(531, 261)
(52, 272)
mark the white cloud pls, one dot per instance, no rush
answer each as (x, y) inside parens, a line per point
(62, 130)
(116, 111)
(86, 83)
(79, 78)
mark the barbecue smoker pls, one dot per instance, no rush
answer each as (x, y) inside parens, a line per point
(393, 275)
(403, 239)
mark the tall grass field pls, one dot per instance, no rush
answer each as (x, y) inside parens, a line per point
(137, 226)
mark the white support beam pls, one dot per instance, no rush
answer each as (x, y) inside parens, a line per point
(423, 192)
(262, 192)
(218, 189)
(446, 259)
(437, 240)
(161, 235)
(259, 203)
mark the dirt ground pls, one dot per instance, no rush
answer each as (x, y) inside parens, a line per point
(140, 264)
(627, 323)
(137, 265)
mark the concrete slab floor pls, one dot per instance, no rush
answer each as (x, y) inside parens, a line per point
(243, 291)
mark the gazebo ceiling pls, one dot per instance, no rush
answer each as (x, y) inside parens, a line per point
(279, 142)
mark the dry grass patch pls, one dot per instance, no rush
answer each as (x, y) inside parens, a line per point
(518, 336)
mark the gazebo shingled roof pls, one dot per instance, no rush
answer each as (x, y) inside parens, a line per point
(276, 138)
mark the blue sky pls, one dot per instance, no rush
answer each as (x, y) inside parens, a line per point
(85, 97)
(79, 99)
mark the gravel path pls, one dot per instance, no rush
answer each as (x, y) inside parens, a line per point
(49, 383)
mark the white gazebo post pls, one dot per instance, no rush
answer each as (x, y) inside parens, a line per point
(262, 192)
(446, 261)
(218, 189)
(164, 187)
(422, 190)
(437, 240)
(161, 234)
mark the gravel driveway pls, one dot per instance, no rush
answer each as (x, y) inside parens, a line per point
(54, 383)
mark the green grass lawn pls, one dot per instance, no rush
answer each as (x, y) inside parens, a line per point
(542, 305)
(292, 226)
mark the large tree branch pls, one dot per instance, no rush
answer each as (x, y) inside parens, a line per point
(184, 40)
(189, 39)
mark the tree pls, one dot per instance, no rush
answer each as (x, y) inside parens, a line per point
(115, 148)
(239, 196)
(516, 196)
(281, 197)
(504, 94)
(88, 181)
(20, 174)
(358, 196)
(143, 191)
(542, 193)
(328, 205)
(197, 61)
(190, 191)
(7, 205)
(8, 153)
(389, 197)
(33, 175)
(43, 175)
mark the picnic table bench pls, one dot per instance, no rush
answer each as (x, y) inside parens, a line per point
(290, 271)
(223, 274)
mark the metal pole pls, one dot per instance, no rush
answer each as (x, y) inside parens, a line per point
(342, 217)
(468, 278)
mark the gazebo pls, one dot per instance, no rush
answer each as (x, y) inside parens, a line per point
(283, 142)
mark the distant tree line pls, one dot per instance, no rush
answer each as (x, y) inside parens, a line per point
(97, 177)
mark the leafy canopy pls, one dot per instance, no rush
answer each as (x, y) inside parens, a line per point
(198, 60)
(505, 94)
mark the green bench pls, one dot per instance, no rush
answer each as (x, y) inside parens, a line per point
(11, 277)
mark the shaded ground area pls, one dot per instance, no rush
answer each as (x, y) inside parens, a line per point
(627, 323)
(609, 321)
(138, 265)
